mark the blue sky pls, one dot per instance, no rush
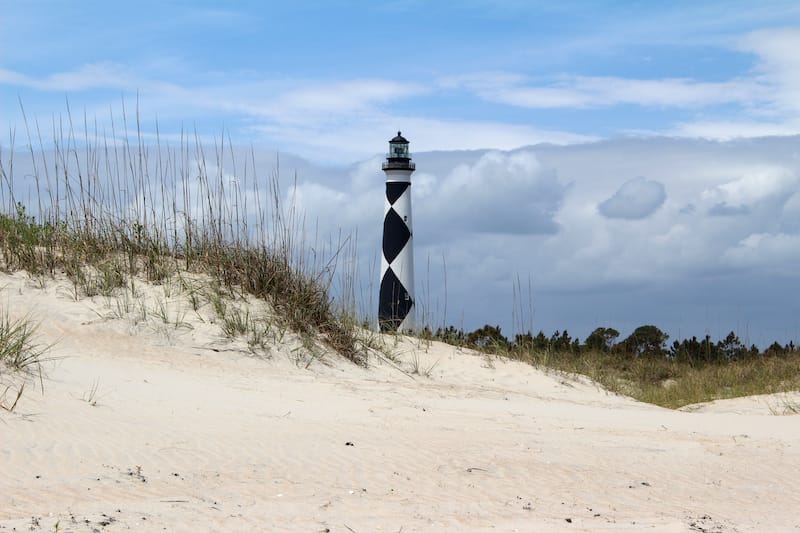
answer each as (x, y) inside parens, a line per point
(637, 153)
(287, 74)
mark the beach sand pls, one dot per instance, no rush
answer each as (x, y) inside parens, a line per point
(163, 428)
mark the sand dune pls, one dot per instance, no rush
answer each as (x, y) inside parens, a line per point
(178, 429)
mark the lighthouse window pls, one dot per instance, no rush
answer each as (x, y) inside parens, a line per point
(400, 150)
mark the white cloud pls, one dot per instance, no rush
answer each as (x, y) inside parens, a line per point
(348, 96)
(344, 140)
(760, 187)
(305, 108)
(766, 98)
(501, 193)
(726, 130)
(774, 108)
(335, 121)
(677, 241)
(778, 252)
(102, 75)
(13, 78)
(779, 64)
(635, 199)
(604, 91)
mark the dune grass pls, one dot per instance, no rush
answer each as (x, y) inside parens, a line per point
(688, 372)
(19, 352)
(104, 209)
(17, 348)
(665, 382)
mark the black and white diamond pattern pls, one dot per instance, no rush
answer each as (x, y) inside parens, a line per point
(396, 300)
(395, 235)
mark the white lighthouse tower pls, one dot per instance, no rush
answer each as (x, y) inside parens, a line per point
(396, 310)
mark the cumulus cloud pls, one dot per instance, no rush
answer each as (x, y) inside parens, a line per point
(773, 252)
(502, 193)
(759, 187)
(635, 199)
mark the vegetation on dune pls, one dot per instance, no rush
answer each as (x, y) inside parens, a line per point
(107, 210)
(17, 348)
(103, 258)
(643, 366)
(19, 352)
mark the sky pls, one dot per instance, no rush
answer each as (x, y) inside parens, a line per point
(579, 164)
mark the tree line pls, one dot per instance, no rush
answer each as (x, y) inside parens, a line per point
(645, 341)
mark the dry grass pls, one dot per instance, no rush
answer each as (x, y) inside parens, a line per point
(671, 383)
(105, 210)
(655, 378)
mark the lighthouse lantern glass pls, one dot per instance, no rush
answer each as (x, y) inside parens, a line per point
(398, 150)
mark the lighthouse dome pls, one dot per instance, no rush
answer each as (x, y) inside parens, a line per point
(399, 139)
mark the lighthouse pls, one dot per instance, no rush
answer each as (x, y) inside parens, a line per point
(396, 308)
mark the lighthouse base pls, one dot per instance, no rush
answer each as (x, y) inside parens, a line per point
(396, 306)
